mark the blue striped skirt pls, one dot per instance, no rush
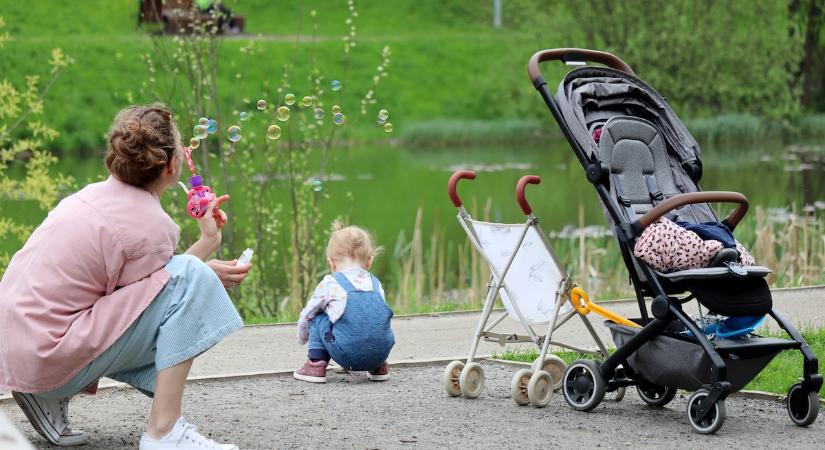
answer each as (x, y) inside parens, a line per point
(191, 314)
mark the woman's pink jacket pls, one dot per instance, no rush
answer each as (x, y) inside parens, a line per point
(83, 277)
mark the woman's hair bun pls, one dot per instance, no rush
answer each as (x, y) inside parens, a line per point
(141, 142)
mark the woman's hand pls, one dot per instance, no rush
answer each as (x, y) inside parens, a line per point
(212, 221)
(229, 272)
(210, 225)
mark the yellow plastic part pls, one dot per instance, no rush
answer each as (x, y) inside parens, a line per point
(577, 294)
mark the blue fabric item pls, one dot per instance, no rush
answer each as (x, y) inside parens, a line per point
(362, 338)
(191, 314)
(734, 327)
(711, 231)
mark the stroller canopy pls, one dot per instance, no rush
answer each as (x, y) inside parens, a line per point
(589, 96)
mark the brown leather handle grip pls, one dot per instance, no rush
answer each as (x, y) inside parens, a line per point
(555, 54)
(457, 176)
(698, 197)
(522, 200)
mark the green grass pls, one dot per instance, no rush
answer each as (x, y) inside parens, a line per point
(452, 76)
(528, 356)
(777, 377)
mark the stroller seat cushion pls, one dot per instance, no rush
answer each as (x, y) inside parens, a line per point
(732, 296)
(712, 272)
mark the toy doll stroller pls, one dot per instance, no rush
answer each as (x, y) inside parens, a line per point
(644, 165)
(534, 289)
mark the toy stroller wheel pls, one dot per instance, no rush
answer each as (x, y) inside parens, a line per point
(803, 407)
(450, 379)
(618, 394)
(556, 367)
(584, 385)
(471, 380)
(518, 387)
(712, 421)
(540, 389)
(656, 395)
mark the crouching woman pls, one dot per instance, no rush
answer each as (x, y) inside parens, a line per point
(96, 291)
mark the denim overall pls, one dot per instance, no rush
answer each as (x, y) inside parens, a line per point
(362, 338)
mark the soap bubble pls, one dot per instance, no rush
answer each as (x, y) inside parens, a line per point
(317, 185)
(335, 85)
(200, 131)
(306, 101)
(273, 132)
(383, 114)
(261, 105)
(234, 133)
(336, 109)
(203, 121)
(212, 126)
(319, 113)
(339, 119)
(388, 127)
(244, 115)
(194, 143)
(283, 113)
(289, 99)
(381, 121)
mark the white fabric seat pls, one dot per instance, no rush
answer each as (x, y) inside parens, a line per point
(534, 279)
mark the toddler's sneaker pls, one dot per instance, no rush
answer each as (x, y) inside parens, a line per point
(382, 373)
(184, 436)
(314, 372)
(50, 418)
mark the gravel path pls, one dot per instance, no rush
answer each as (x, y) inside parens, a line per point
(412, 411)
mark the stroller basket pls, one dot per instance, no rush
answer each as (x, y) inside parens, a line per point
(682, 363)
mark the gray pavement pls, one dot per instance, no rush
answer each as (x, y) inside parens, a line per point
(268, 348)
(411, 410)
(274, 348)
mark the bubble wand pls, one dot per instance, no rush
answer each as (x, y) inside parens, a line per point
(199, 195)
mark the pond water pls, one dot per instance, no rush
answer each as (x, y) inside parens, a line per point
(381, 187)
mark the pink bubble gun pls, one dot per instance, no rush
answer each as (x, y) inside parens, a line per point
(199, 195)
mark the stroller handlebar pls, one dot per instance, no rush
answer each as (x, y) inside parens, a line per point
(457, 176)
(520, 186)
(574, 54)
(697, 197)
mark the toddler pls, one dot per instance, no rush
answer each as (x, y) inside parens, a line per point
(347, 319)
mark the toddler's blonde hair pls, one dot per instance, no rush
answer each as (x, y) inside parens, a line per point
(351, 242)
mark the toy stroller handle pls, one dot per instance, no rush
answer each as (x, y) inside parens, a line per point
(520, 198)
(457, 176)
(697, 197)
(580, 54)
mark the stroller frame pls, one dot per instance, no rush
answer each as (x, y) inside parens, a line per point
(471, 377)
(704, 411)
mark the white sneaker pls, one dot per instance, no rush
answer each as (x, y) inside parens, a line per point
(50, 418)
(183, 436)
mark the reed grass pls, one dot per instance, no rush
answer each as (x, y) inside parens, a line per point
(441, 275)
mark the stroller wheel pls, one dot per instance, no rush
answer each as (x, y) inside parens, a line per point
(713, 420)
(618, 394)
(540, 388)
(803, 407)
(518, 387)
(555, 366)
(450, 378)
(584, 385)
(471, 380)
(655, 395)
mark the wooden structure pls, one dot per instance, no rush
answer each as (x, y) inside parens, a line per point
(184, 17)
